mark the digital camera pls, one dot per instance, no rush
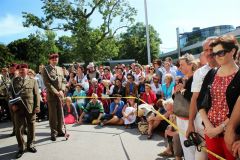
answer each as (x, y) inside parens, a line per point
(194, 139)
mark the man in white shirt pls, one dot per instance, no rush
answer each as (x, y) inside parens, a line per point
(168, 70)
(39, 78)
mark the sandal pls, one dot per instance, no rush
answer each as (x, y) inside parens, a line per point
(165, 154)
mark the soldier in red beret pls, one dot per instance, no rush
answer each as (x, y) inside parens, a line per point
(55, 83)
(13, 70)
(25, 89)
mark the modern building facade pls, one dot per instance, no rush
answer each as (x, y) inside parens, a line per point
(191, 42)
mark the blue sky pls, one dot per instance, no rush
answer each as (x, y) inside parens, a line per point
(164, 15)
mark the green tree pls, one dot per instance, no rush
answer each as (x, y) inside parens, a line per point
(76, 16)
(67, 45)
(19, 49)
(34, 50)
(133, 44)
(5, 56)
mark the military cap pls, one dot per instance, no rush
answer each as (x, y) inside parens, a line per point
(13, 65)
(24, 65)
(53, 55)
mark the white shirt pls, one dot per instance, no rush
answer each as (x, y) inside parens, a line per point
(39, 79)
(172, 72)
(198, 78)
(136, 76)
(155, 89)
(84, 82)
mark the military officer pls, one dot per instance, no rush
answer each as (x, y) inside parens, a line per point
(4, 88)
(55, 83)
(25, 109)
(13, 70)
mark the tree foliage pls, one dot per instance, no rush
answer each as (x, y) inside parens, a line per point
(34, 49)
(133, 44)
(5, 56)
(75, 16)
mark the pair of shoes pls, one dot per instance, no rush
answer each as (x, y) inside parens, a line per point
(53, 137)
(149, 136)
(19, 154)
(12, 134)
(31, 149)
(61, 134)
(165, 154)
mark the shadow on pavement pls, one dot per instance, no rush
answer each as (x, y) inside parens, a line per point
(8, 152)
(3, 136)
(162, 143)
(5, 124)
(42, 134)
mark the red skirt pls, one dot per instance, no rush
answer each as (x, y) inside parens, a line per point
(69, 119)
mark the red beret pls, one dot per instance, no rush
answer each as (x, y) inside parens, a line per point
(24, 65)
(14, 65)
(53, 55)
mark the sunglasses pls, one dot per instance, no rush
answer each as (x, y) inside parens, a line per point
(220, 53)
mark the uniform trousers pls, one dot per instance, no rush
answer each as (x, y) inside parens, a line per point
(55, 116)
(22, 117)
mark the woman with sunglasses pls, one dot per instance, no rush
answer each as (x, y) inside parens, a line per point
(150, 74)
(225, 89)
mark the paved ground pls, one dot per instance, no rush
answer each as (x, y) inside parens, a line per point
(87, 142)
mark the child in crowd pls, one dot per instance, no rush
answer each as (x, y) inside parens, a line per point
(115, 115)
(128, 113)
(70, 115)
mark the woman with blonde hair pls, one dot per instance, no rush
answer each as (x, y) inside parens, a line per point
(168, 87)
(70, 115)
(187, 66)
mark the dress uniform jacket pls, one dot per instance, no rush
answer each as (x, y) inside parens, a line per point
(28, 90)
(54, 81)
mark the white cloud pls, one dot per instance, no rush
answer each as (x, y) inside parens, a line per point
(10, 25)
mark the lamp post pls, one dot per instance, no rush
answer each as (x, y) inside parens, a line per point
(178, 43)
(147, 32)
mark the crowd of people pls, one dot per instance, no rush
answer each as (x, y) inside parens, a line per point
(198, 95)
